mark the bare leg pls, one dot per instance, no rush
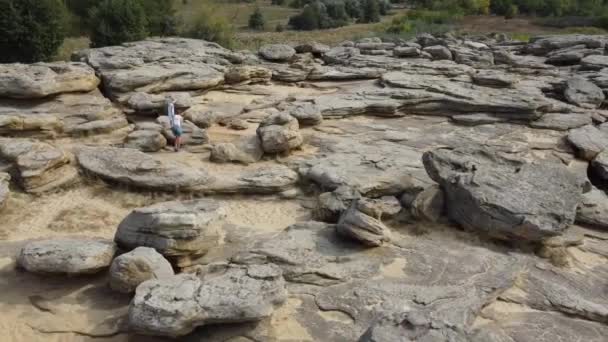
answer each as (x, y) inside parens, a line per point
(178, 143)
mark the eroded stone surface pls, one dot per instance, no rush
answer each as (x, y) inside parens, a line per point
(133, 268)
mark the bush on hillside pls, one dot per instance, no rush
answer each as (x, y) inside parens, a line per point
(114, 22)
(211, 27)
(31, 30)
(160, 16)
(256, 20)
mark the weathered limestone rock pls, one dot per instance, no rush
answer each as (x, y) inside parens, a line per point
(37, 166)
(146, 141)
(492, 78)
(177, 229)
(248, 74)
(503, 197)
(473, 57)
(599, 165)
(583, 93)
(154, 104)
(132, 167)
(593, 209)
(68, 114)
(438, 52)
(260, 180)
(175, 306)
(562, 122)
(385, 207)
(32, 81)
(246, 151)
(277, 52)
(307, 114)
(406, 52)
(312, 47)
(159, 65)
(545, 45)
(133, 268)
(331, 205)
(68, 256)
(594, 62)
(280, 133)
(359, 226)
(342, 73)
(588, 141)
(340, 55)
(429, 204)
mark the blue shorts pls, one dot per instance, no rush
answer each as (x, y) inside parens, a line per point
(177, 131)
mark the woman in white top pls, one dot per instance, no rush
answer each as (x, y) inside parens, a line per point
(176, 121)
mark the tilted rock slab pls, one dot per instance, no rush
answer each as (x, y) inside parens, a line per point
(32, 81)
(505, 197)
(360, 226)
(177, 229)
(132, 167)
(70, 256)
(176, 306)
(133, 268)
(38, 167)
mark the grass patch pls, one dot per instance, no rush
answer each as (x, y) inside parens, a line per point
(69, 46)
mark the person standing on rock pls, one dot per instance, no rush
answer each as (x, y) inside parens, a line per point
(176, 123)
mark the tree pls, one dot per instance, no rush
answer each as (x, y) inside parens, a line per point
(114, 22)
(211, 27)
(256, 20)
(161, 17)
(31, 30)
(371, 11)
(511, 12)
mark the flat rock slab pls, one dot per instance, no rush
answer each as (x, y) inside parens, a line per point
(32, 81)
(67, 256)
(503, 196)
(593, 209)
(259, 180)
(176, 306)
(583, 93)
(174, 229)
(5, 179)
(132, 167)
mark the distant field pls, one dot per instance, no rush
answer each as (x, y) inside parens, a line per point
(238, 12)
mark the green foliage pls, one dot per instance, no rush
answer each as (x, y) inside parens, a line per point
(211, 27)
(418, 21)
(371, 11)
(160, 16)
(511, 12)
(31, 30)
(114, 22)
(256, 20)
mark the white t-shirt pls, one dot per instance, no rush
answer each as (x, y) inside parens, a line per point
(177, 120)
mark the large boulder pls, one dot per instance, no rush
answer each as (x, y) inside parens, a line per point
(505, 197)
(67, 256)
(438, 52)
(38, 167)
(280, 133)
(358, 225)
(32, 81)
(132, 167)
(247, 74)
(146, 141)
(593, 209)
(331, 205)
(246, 151)
(277, 52)
(176, 306)
(583, 93)
(429, 204)
(133, 268)
(178, 229)
(588, 141)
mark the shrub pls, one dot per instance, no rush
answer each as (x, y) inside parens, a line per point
(211, 27)
(371, 11)
(31, 30)
(114, 22)
(160, 16)
(256, 20)
(511, 12)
